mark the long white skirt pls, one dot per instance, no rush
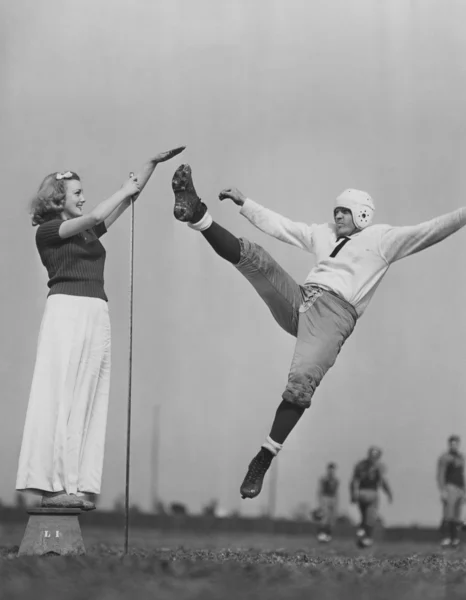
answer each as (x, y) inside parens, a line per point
(64, 434)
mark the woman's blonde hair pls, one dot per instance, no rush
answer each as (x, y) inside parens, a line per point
(49, 201)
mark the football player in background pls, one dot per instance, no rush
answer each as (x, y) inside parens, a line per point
(327, 496)
(450, 480)
(368, 477)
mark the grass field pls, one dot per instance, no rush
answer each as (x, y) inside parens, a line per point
(178, 566)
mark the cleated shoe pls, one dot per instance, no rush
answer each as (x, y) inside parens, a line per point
(252, 484)
(445, 543)
(188, 205)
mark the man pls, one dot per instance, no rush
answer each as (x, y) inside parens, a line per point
(327, 496)
(450, 480)
(352, 256)
(368, 476)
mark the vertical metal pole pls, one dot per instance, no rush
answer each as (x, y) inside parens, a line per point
(155, 457)
(130, 372)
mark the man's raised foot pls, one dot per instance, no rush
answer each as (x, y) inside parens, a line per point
(188, 206)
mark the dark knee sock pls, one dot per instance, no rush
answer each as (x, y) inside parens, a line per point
(223, 242)
(325, 529)
(286, 417)
(362, 510)
(454, 529)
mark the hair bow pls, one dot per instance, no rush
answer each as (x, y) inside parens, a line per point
(66, 175)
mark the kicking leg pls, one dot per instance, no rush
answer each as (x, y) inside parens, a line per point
(189, 208)
(223, 242)
(279, 291)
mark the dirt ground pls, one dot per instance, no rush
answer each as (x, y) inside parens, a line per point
(170, 566)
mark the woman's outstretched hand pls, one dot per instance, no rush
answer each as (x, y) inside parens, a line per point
(163, 156)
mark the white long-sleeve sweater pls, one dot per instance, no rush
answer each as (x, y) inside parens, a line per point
(356, 271)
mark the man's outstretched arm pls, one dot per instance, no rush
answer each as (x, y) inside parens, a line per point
(399, 242)
(270, 222)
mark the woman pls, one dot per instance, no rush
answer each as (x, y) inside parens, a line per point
(64, 435)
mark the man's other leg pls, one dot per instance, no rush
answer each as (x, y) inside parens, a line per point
(283, 297)
(322, 330)
(319, 340)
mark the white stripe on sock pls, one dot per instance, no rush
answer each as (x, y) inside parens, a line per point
(203, 224)
(272, 446)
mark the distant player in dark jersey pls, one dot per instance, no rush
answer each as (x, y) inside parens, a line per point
(369, 475)
(450, 480)
(327, 495)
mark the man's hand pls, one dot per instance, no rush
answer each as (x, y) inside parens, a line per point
(163, 156)
(443, 495)
(233, 194)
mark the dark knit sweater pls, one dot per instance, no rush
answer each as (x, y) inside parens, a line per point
(75, 265)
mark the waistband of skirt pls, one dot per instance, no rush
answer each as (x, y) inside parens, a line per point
(75, 299)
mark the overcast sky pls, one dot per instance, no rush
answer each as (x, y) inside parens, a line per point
(291, 101)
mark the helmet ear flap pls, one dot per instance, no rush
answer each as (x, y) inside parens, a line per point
(363, 216)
